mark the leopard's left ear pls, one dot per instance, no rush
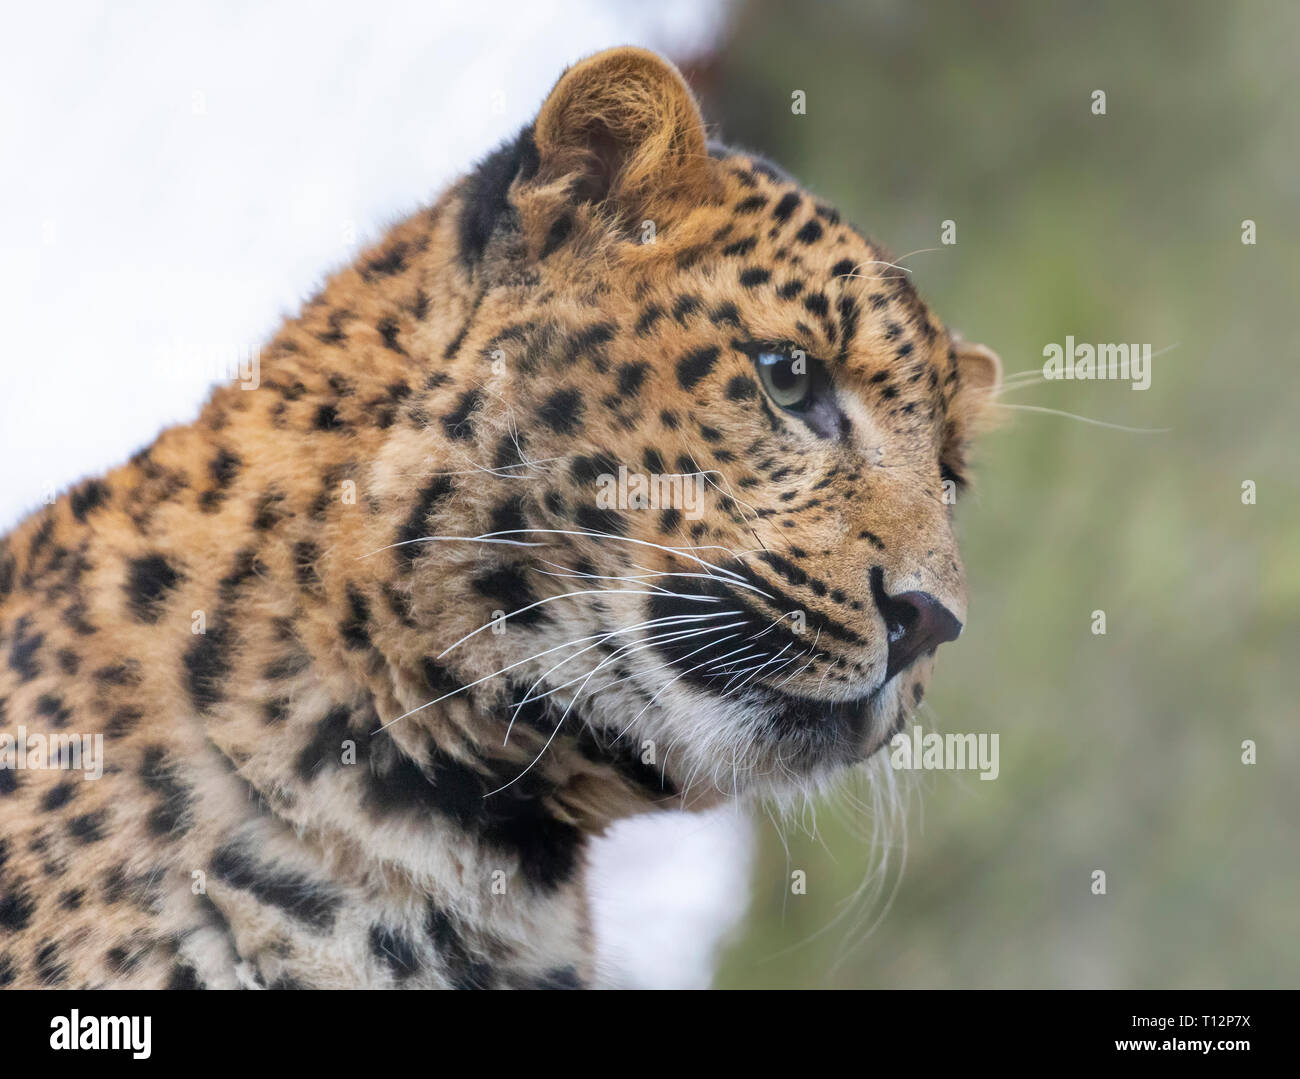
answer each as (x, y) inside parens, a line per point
(624, 128)
(979, 378)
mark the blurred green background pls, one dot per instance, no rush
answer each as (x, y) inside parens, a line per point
(1119, 752)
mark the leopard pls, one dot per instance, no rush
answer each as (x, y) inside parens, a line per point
(367, 655)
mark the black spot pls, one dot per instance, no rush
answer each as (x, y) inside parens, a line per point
(817, 303)
(630, 378)
(354, 628)
(120, 961)
(810, 233)
(754, 276)
(438, 679)
(50, 707)
(594, 519)
(740, 247)
(509, 586)
(765, 168)
(417, 524)
(649, 317)
(122, 721)
(725, 314)
(787, 206)
(586, 470)
(275, 710)
(207, 664)
(654, 461)
(246, 567)
(508, 516)
(268, 511)
(307, 900)
(287, 666)
(456, 422)
(751, 205)
(224, 468)
(388, 330)
(695, 365)
(49, 968)
(844, 268)
(183, 976)
(326, 745)
(327, 419)
(685, 307)
(848, 309)
(148, 580)
(16, 907)
(562, 411)
(23, 650)
(742, 388)
(58, 797)
(170, 815)
(464, 971)
(785, 568)
(509, 453)
(393, 949)
(89, 827)
(89, 498)
(588, 341)
(386, 263)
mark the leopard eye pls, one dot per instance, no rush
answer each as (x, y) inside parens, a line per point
(787, 379)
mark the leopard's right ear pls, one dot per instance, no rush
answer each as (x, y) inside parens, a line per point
(622, 128)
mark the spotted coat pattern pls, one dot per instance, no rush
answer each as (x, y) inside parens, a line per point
(370, 658)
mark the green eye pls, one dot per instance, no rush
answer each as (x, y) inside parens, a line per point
(787, 379)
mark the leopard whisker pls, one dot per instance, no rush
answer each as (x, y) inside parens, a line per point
(618, 653)
(546, 651)
(568, 595)
(1085, 419)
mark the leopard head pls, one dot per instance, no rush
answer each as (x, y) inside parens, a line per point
(720, 438)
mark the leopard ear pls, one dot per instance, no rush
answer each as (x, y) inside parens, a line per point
(624, 126)
(979, 378)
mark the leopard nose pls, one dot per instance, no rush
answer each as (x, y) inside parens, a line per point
(917, 624)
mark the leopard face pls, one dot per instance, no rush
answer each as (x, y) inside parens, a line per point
(721, 420)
